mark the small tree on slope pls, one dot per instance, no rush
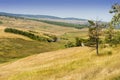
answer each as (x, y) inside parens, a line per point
(95, 30)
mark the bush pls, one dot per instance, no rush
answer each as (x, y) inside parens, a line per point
(115, 39)
(109, 52)
(69, 44)
(53, 37)
(79, 41)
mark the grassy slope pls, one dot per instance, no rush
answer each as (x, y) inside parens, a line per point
(40, 27)
(35, 26)
(14, 46)
(79, 63)
(70, 64)
(8, 35)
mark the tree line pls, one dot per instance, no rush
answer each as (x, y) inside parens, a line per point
(31, 35)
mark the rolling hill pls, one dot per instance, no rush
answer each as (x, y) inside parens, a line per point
(79, 63)
(22, 58)
(35, 25)
(16, 46)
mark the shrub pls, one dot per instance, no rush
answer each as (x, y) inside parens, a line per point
(115, 39)
(69, 44)
(79, 41)
(109, 52)
(53, 37)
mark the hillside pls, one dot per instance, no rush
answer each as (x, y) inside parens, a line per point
(79, 63)
(16, 46)
(35, 26)
(24, 58)
(59, 40)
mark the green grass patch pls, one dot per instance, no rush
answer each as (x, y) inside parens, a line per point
(11, 49)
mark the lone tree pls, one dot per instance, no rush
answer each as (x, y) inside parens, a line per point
(95, 30)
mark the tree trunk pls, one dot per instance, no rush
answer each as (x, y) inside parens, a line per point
(97, 46)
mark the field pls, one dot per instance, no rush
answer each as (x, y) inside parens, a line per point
(79, 63)
(14, 46)
(35, 26)
(22, 58)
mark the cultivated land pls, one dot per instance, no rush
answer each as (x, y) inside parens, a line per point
(22, 58)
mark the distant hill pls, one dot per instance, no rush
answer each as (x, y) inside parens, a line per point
(72, 18)
(39, 16)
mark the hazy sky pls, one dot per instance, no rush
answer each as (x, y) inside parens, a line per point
(86, 9)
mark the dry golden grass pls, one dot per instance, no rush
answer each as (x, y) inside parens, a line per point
(79, 63)
(35, 25)
(9, 35)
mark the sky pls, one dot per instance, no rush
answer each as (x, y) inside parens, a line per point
(85, 9)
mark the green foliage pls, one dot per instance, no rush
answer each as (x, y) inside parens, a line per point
(12, 49)
(78, 41)
(30, 35)
(116, 10)
(116, 78)
(109, 52)
(92, 34)
(54, 38)
(95, 30)
(69, 44)
(115, 39)
(1, 22)
(110, 32)
(112, 37)
(91, 23)
(106, 52)
(32, 31)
